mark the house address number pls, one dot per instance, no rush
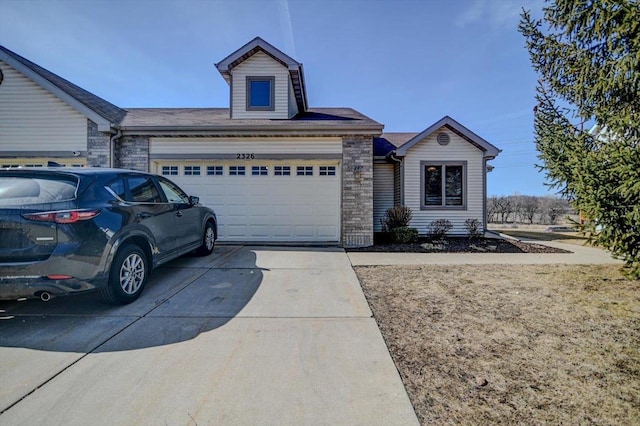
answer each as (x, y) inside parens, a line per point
(245, 156)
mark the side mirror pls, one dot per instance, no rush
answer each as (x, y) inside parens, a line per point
(194, 200)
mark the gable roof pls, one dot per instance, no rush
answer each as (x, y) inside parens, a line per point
(100, 111)
(259, 45)
(489, 150)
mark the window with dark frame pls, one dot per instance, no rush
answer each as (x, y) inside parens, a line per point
(443, 185)
(214, 171)
(327, 170)
(259, 171)
(282, 171)
(236, 170)
(192, 170)
(260, 93)
(304, 171)
(170, 170)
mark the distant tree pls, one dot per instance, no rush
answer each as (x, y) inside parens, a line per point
(504, 207)
(492, 209)
(529, 207)
(553, 208)
(587, 55)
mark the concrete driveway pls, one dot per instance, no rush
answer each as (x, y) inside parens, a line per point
(249, 335)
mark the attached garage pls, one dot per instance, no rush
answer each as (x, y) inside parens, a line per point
(258, 195)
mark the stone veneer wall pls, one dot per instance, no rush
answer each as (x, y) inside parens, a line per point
(132, 153)
(97, 146)
(357, 191)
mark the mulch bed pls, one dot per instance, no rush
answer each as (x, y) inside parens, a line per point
(463, 245)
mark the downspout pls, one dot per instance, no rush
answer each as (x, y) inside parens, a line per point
(112, 147)
(392, 156)
(484, 190)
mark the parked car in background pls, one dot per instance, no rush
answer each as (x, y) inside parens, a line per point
(69, 230)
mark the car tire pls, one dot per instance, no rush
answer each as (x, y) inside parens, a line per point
(128, 276)
(208, 240)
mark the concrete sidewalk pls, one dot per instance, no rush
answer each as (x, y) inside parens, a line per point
(248, 336)
(580, 255)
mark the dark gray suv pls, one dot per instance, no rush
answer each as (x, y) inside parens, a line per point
(71, 230)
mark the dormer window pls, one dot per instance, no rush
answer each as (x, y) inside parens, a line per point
(260, 93)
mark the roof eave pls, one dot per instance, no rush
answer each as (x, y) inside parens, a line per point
(215, 131)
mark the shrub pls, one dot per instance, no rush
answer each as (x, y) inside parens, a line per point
(404, 234)
(438, 229)
(474, 228)
(396, 217)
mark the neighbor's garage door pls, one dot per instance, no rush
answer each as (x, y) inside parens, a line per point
(42, 162)
(270, 201)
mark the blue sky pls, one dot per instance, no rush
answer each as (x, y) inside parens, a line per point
(404, 63)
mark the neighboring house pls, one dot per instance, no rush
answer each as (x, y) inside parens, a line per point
(274, 169)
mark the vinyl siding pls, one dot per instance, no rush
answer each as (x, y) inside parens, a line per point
(383, 192)
(457, 150)
(259, 65)
(246, 146)
(32, 119)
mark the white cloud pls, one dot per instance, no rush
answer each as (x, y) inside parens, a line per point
(496, 13)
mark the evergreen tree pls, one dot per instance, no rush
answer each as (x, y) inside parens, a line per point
(587, 55)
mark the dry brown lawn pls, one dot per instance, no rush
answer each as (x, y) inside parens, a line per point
(517, 344)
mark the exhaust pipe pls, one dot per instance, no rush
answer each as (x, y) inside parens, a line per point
(45, 296)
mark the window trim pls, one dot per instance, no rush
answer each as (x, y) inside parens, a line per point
(238, 169)
(284, 170)
(212, 170)
(305, 170)
(443, 206)
(272, 100)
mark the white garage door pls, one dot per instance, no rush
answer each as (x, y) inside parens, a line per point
(265, 201)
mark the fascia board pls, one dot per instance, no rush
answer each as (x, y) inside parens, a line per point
(250, 132)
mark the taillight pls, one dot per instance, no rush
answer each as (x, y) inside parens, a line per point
(68, 216)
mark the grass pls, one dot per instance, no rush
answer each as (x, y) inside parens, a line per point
(561, 237)
(517, 344)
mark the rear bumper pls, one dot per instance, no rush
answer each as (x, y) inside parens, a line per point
(29, 279)
(32, 287)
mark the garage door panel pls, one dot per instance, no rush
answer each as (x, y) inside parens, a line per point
(267, 208)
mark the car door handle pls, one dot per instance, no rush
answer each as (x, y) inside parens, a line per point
(179, 213)
(143, 215)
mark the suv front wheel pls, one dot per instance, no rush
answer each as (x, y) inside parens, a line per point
(128, 275)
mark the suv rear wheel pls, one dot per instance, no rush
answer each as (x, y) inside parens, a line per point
(129, 272)
(208, 241)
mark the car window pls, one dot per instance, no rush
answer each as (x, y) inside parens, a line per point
(24, 190)
(117, 186)
(173, 193)
(143, 190)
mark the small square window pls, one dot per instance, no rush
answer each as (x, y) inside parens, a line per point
(260, 93)
(259, 170)
(236, 170)
(304, 171)
(170, 170)
(214, 171)
(192, 170)
(33, 165)
(327, 170)
(282, 171)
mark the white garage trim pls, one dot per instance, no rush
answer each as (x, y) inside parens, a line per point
(265, 200)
